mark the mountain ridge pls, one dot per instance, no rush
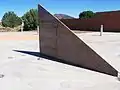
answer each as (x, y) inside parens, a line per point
(63, 16)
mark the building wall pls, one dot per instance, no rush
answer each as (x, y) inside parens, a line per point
(110, 20)
(58, 41)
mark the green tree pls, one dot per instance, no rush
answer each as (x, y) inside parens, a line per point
(10, 19)
(86, 14)
(30, 19)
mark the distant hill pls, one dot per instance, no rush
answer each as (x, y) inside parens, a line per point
(63, 16)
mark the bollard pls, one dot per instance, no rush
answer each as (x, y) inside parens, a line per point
(22, 26)
(101, 30)
(38, 29)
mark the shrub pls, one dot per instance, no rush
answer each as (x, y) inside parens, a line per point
(30, 19)
(86, 14)
(10, 19)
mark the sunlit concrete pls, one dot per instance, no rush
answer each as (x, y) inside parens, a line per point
(107, 45)
(25, 72)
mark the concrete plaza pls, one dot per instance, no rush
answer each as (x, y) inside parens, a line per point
(107, 45)
(23, 71)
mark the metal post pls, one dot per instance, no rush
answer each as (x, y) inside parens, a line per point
(101, 30)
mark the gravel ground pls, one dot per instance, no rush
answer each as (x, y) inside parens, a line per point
(23, 71)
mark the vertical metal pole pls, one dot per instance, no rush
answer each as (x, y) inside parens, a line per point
(101, 30)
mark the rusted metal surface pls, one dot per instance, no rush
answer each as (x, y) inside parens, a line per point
(110, 20)
(57, 40)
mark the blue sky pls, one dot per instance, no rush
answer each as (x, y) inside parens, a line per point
(70, 7)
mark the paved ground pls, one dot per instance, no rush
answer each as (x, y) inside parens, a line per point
(19, 36)
(24, 72)
(107, 46)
